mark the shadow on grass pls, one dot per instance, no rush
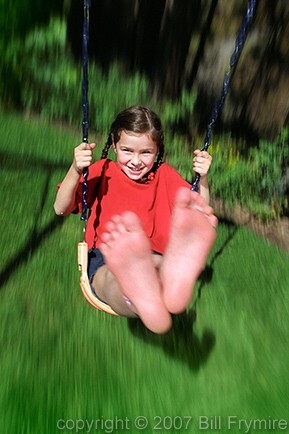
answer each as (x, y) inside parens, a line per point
(36, 236)
(181, 342)
(207, 274)
(11, 161)
(31, 246)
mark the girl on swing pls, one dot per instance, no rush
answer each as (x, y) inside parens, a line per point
(148, 234)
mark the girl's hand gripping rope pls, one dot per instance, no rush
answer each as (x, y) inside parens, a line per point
(201, 162)
(83, 156)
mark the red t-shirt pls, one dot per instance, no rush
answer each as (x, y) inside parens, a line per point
(111, 192)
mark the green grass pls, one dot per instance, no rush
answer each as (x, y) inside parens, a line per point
(62, 360)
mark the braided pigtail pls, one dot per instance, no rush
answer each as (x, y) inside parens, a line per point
(107, 146)
(160, 158)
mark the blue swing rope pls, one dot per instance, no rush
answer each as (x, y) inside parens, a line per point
(85, 106)
(240, 41)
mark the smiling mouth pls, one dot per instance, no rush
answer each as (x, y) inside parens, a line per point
(135, 170)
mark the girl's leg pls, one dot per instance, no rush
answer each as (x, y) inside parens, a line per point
(128, 257)
(109, 291)
(191, 238)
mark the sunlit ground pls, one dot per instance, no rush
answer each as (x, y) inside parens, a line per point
(65, 365)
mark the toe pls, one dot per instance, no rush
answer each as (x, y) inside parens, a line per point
(183, 198)
(106, 237)
(131, 222)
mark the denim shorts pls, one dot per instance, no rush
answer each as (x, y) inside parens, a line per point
(95, 261)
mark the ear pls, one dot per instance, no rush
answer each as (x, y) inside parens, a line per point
(114, 147)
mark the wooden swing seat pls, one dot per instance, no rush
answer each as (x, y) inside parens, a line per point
(84, 281)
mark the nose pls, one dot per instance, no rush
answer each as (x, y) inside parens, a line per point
(136, 159)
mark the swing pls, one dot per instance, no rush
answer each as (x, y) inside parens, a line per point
(84, 282)
(216, 111)
(82, 246)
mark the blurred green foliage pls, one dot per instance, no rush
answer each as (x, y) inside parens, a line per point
(257, 180)
(49, 84)
(17, 18)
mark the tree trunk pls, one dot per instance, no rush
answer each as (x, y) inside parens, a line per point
(178, 23)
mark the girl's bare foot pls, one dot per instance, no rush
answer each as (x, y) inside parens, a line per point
(128, 256)
(191, 238)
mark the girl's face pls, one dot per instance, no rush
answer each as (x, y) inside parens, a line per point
(135, 154)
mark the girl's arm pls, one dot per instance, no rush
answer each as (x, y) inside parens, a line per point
(201, 164)
(65, 201)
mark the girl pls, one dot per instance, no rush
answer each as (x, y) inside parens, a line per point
(148, 234)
